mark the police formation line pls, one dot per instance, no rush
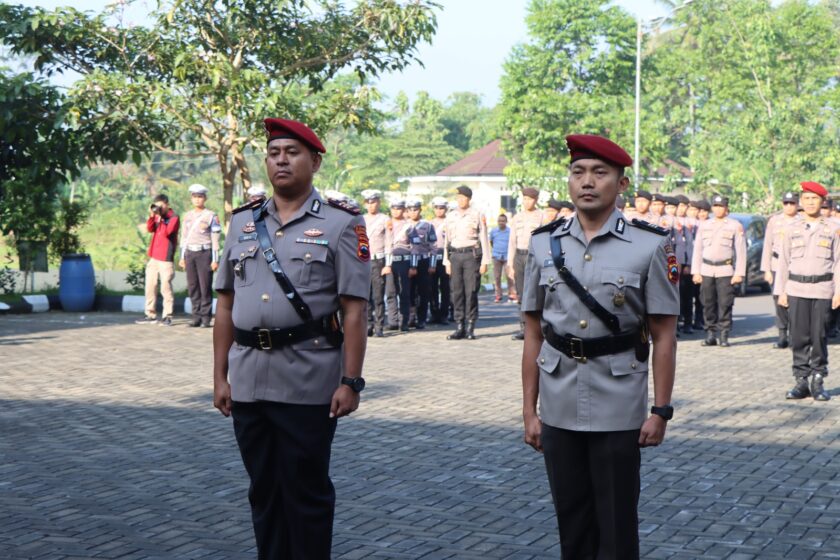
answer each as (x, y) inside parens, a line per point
(600, 294)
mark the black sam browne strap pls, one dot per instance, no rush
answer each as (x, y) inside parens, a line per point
(267, 250)
(610, 320)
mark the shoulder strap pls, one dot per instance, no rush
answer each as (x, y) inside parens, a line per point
(649, 226)
(249, 206)
(267, 250)
(610, 320)
(549, 227)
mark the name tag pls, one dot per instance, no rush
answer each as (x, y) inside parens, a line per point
(248, 237)
(311, 241)
(548, 262)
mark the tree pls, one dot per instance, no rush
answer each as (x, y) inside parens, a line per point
(469, 125)
(202, 77)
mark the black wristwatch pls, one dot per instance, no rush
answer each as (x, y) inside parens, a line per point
(666, 412)
(355, 383)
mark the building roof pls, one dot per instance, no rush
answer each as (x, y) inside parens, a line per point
(485, 161)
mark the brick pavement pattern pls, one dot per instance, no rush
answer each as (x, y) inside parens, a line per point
(110, 448)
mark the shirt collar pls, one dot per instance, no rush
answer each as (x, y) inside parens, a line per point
(616, 225)
(314, 206)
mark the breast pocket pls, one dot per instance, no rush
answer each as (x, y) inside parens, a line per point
(824, 248)
(244, 262)
(797, 249)
(726, 238)
(707, 238)
(549, 277)
(308, 267)
(617, 282)
(625, 363)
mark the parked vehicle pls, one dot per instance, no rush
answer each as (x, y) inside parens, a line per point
(754, 226)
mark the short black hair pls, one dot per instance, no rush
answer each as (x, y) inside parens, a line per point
(161, 198)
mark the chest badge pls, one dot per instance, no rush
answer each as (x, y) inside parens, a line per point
(618, 299)
(313, 233)
(249, 228)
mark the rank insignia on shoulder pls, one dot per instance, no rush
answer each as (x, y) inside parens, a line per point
(343, 205)
(249, 206)
(649, 226)
(619, 225)
(316, 206)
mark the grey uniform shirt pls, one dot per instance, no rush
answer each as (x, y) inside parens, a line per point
(606, 393)
(324, 252)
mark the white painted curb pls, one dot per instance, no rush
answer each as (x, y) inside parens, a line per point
(39, 303)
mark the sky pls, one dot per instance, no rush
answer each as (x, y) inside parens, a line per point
(473, 39)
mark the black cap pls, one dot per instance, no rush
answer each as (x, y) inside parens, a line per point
(719, 200)
(658, 197)
(790, 197)
(566, 204)
(682, 199)
(465, 190)
(556, 204)
(643, 194)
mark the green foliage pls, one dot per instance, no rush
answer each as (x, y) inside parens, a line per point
(200, 79)
(136, 277)
(64, 239)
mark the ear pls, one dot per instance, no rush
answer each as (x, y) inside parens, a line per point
(623, 183)
(316, 162)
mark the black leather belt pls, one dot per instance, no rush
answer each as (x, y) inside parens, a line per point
(811, 279)
(717, 263)
(268, 339)
(522, 251)
(462, 249)
(582, 348)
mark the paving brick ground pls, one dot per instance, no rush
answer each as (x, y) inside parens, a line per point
(110, 448)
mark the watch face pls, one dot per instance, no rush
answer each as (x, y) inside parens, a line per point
(359, 384)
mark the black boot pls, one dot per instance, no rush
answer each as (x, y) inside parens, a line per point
(470, 330)
(687, 328)
(195, 322)
(710, 339)
(459, 332)
(783, 341)
(370, 329)
(800, 390)
(724, 339)
(379, 333)
(817, 390)
(404, 325)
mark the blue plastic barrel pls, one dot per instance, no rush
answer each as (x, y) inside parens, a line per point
(76, 283)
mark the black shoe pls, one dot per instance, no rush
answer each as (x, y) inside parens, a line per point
(166, 322)
(458, 334)
(420, 326)
(698, 325)
(392, 328)
(724, 339)
(146, 321)
(518, 336)
(710, 340)
(206, 325)
(404, 326)
(687, 329)
(817, 390)
(800, 390)
(471, 330)
(195, 323)
(378, 333)
(833, 333)
(783, 341)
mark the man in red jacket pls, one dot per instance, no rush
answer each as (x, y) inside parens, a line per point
(163, 225)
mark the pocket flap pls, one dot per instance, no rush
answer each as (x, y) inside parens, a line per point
(626, 363)
(620, 278)
(309, 253)
(549, 358)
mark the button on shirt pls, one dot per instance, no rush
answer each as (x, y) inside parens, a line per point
(499, 239)
(812, 248)
(719, 241)
(521, 226)
(321, 251)
(605, 393)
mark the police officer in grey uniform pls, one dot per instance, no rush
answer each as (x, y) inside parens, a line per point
(289, 343)
(380, 248)
(597, 287)
(521, 225)
(423, 259)
(200, 254)
(778, 227)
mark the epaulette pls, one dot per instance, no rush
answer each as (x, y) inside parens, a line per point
(649, 226)
(343, 205)
(249, 206)
(550, 226)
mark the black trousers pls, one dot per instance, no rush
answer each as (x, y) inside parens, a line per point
(421, 289)
(393, 308)
(440, 298)
(808, 321)
(698, 306)
(286, 451)
(464, 283)
(401, 287)
(718, 298)
(200, 283)
(519, 261)
(595, 482)
(376, 309)
(686, 298)
(782, 313)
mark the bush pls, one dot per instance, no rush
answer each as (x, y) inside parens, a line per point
(64, 239)
(136, 277)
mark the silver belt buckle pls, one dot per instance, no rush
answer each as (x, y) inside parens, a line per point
(264, 338)
(576, 348)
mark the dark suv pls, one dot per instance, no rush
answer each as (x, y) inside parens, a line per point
(754, 227)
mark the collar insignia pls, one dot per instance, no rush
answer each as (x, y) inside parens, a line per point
(619, 225)
(316, 206)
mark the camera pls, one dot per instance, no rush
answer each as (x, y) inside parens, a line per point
(155, 208)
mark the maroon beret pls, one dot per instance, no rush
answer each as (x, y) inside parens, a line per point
(587, 146)
(816, 188)
(283, 128)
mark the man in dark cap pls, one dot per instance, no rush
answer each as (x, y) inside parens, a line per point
(466, 256)
(566, 209)
(778, 227)
(291, 265)
(719, 264)
(808, 284)
(597, 287)
(379, 234)
(551, 211)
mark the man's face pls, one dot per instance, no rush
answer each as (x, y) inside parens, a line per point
(463, 201)
(440, 211)
(692, 212)
(413, 214)
(719, 211)
(198, 200)
(810, 203)
(657, 207)
(528, 203)
(550, 214)
(825, 212)
(789, 208)
(290, 165)
(642, 205)
(397, 213)
(682, 209)
(372, 206)
(566, 212)
(702, 214)
(594, 185)
(671, 210)
(502, 222)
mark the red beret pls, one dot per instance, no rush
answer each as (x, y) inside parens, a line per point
(283, 128)
(816, 188)
(586, 146)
